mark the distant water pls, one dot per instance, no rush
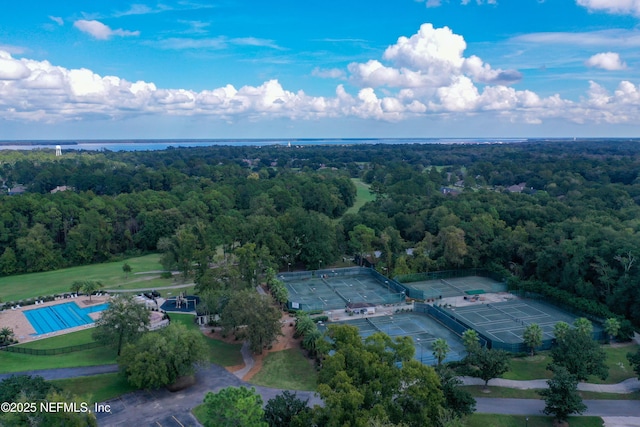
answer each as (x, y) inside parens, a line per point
(154, 145)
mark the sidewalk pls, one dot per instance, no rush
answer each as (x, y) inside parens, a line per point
(627, 386)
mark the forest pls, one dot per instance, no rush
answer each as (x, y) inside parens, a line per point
(556, 218)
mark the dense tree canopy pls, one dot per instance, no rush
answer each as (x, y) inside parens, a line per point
(558, 219)
(375, 378)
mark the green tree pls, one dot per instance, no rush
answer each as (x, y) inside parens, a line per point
(457, 399)
(577, 352)
(560, 330)
(471, 341)
(634, 361)
(454, 247)
(440, 349)
(612, 327)
(160, 358)
(532, 337)
(90, 286)
(122, 322)
(6, 336)
(180, 251)
(282, 409)
(76, 286)
(32, 387)
(375, 378)
(252, 317)
(583, 326)
(562, 398)
(487, 364)
(8, 262)
(126, 269)
(361, 240)
(234, 407)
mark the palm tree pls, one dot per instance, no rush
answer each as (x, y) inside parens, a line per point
(90, 286)
(532, 336)
(304, 324)
(6, 334)
(612, 327)
(471, 341)
(310, 341)
(440, 349)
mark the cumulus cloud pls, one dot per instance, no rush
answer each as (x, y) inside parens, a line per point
(418, 76)
(100, 31)
(612, 6)
(609, 61)
(433, 57)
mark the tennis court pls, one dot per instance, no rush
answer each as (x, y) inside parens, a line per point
(332, 289)
(504, 322)
(422, 329)
(456, 286)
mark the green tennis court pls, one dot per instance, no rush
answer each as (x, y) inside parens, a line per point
(504, 322)
(336, 288)
(422, 329)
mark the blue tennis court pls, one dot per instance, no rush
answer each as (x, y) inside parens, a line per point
(62, 316)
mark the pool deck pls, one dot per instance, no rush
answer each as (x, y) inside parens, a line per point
(24, 331)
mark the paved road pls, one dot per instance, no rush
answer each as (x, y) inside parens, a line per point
(161, 407)
(601, 408)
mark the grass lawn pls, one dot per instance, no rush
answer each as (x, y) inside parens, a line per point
(492, 420)
(96, 388)
(200, 412)
(14, 362)
(619, 369)
(67, 340)
(533, 368)
(221, 353)
(363, 195)
(287, 369)
(23, 286)
(511, 393)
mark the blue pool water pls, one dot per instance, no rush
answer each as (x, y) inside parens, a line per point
(62, 316)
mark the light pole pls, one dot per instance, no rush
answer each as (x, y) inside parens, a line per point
(288, 267)
(527, 422)
(420, 344)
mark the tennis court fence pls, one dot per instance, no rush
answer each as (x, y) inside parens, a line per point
(449, 274)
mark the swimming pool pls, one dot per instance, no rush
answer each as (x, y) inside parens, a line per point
(61, 316)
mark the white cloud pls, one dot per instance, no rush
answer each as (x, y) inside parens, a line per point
(613, 37)
(423, 75)
(434, 3)
(101, 31)
(612, 6)
(609, 61)
(57, 20)
(433, 57)
(331, 73)
(479, 2)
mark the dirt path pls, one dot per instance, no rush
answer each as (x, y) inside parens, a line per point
(284, 342)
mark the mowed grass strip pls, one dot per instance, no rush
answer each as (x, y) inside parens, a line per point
(14, 362)
(23, 286)
(220, 352)
(287, 369)
(83, 336)
(363, 195)
(534, 368)
(496, 420)
(96, 388)
(512, 393)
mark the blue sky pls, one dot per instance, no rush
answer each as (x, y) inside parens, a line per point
(252, 69)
